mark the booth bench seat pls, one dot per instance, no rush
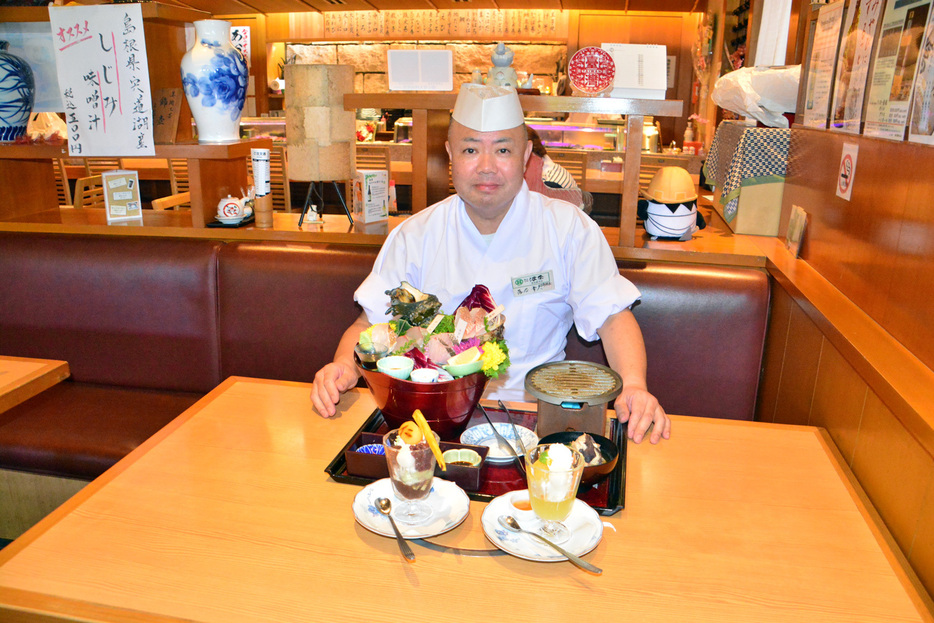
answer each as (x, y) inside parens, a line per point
(149, 325)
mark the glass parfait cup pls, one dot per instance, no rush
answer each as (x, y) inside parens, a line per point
(552, 491)
(411, 472)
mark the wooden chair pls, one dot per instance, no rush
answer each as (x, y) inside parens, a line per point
(373, 157)
(279, 179)
(89, 193)
(61, 182)
(172, 202)
(96, 166)
(178, 175)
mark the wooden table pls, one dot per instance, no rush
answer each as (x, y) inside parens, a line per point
(21, 378)
(227, 515)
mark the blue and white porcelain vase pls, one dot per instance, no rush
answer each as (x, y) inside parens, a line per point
(17, 94)
(214, 75)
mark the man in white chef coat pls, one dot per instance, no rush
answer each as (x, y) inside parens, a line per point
(496, 232)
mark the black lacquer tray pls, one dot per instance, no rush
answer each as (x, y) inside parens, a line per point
(607, 497)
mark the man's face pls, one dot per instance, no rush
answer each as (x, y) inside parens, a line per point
(487, 169)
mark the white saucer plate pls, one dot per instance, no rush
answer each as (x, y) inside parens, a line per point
(230, 221)
(449, 506)
(583, 522)
(482, 435)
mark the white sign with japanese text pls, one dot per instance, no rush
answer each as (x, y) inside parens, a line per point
(103, 73)
(240, 39)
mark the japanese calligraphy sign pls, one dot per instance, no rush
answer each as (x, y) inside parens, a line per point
(166, 104)
(240, 39)
(103, 73)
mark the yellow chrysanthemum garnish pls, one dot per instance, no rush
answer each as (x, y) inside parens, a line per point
(495, 358)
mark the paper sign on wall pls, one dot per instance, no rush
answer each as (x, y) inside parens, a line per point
(121, 196)
(103, 73)
(820, 70)
(240, 39)
(847, 174)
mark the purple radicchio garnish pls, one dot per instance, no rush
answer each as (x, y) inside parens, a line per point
(421, 360)
(479, 297)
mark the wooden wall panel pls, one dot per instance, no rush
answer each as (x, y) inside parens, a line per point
(839, 396)
(877, 248)
(824, 386)
(799, 370)
(776, 338)
(921, 555)
(886, 454)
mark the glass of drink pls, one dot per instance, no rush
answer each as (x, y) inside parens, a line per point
(411, 471)
(554, 473)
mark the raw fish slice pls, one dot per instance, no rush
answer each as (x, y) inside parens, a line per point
(413, 338)
(440, 347)
(473, 319)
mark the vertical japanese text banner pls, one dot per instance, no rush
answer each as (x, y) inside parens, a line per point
(103, 73)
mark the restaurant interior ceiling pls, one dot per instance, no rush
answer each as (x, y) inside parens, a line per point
(233, 7)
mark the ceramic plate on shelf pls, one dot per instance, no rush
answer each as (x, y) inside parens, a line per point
(583, 522)
(229, 221)
(482, 435)
(449, 506)
(591, 70)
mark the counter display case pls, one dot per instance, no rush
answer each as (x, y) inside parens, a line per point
(263, 127)
(565, 135)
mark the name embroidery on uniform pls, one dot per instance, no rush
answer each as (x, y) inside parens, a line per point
(530, 284)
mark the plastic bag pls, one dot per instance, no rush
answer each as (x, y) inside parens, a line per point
(763, 93)
(44, 125)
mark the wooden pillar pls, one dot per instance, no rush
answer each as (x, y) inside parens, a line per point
(630, 196)
(429, 157)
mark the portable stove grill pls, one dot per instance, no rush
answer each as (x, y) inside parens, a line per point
(572, 395)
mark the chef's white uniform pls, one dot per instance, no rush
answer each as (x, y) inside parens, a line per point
(548, 264)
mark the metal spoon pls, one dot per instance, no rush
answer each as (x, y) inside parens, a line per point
(385, 507)
(509, 522)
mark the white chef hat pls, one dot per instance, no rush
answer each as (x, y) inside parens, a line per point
(486, 108)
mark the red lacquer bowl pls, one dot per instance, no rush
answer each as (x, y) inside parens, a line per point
(446, 406)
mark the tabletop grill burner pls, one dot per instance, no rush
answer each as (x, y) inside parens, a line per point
(573, 380)
(572, 395)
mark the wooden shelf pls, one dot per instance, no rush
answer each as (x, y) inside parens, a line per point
(34, 151)
(214, 171)
(541, 103)
(218, 151)
(431, 112)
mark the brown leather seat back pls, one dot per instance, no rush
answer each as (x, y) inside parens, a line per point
(704, 330)
(131, 311)
(283, 308)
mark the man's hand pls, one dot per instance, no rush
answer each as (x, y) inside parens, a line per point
(625, 350)
(335, 378)
(330, 382)
(641, 409)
